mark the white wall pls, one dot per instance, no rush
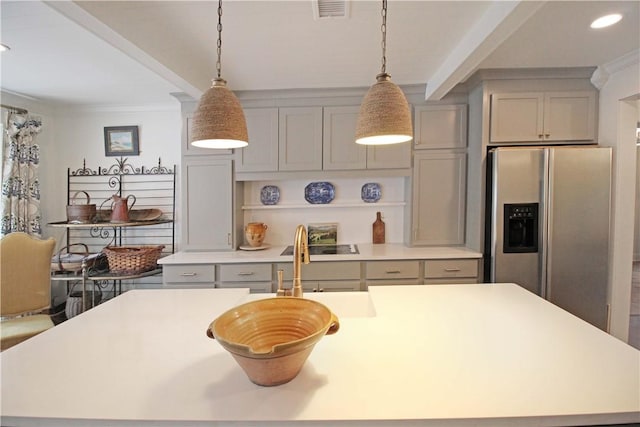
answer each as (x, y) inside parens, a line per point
(618, 118)
(636, 241)
(79, 137)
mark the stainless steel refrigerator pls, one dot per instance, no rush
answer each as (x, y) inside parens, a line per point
(547, 224)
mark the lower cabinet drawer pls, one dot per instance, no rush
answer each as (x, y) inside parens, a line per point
(329, 286)
(451, 281)
(392, 282)
(255, 287)
(329, 270)
(392, 270)
(244, 272)
(188, 273)
(451, 268)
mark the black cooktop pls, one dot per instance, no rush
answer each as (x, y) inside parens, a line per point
(326, 250)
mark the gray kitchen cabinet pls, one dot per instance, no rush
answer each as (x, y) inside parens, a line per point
(331, 276)
(438, 198)
(207, 204)
(395, 156)
(188, 276)
(543, 117)
(300, 139)
(261, 155)
(392, 273)
(440, 126)
(255, 276)
(447, 271)
(340, 152)
(187, 148)
(437, 214)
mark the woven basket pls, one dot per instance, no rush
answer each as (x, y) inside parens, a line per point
(132, 259)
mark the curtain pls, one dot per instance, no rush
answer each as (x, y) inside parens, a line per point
(20, 201)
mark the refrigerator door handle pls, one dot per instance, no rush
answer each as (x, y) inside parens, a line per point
(546, 225)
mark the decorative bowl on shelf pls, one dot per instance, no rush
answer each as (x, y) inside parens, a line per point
(319, 192)
(270, 195)
(271, 338)
(371, 192)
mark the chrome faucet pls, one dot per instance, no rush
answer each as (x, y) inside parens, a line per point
(300, 254)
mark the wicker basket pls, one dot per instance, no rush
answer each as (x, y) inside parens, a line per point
(132, 259)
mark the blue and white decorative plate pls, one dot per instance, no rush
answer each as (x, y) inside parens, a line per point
(371, 192)
(270, 195)
(319, 193)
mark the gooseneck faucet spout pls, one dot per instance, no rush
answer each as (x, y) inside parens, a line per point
(300, 254)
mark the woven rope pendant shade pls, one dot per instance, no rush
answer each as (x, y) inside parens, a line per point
(219, 121)
(385, 117)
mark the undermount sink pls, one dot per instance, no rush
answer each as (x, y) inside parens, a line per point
(343, 304)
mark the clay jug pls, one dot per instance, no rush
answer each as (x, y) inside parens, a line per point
(255, 232)
(120, 209)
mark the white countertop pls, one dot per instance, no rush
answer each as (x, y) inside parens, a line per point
(368, 251)
(432, 355)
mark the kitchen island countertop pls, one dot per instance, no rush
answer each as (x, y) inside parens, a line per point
(368, 252)
(482, 355)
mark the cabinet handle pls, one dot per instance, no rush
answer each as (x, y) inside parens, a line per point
(188, 274)
(248, 273)
(393, 271)
(547, 135)
(451, 270)
(229, 239)
(540, 136)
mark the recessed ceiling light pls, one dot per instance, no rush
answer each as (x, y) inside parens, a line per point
(605, 21)
(4, 47)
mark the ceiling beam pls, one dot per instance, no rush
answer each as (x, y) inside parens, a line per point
(501, 20)
(83, 18)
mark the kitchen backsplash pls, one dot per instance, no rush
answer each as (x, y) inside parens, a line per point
(353, 215)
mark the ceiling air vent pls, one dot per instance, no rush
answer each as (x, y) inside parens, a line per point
(323, 9)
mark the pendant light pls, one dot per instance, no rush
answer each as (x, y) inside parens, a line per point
(219, 121)
(385, 117)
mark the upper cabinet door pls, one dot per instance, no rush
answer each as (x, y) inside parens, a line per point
(569, 116)
(543, 117)
(517, 117)
(340, 151)
(394, 156)
(261, 155)
(300, 139)
(190, 150)
(440, 126)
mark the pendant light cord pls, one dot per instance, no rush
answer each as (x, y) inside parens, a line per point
(219, 44)
(383, 28)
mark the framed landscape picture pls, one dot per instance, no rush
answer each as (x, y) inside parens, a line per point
(121, 141)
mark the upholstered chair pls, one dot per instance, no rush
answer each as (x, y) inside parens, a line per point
(25, 287)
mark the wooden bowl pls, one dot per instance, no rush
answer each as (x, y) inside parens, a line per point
(272, 338)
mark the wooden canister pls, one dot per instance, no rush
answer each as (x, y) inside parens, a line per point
(378, 229)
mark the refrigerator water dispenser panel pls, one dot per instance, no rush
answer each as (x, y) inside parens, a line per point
(520, 228)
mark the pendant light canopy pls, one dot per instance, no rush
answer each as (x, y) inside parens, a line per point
(219, 121)
(385, 117)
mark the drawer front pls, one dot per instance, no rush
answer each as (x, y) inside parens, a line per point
(190, 273)
(392, 282)
(446, 268)
(452, 281)
(329, 286)
(244, 272)
(392, 269)
(255, 287)
(348, 270)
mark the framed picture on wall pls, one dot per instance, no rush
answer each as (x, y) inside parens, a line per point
(121, 141)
